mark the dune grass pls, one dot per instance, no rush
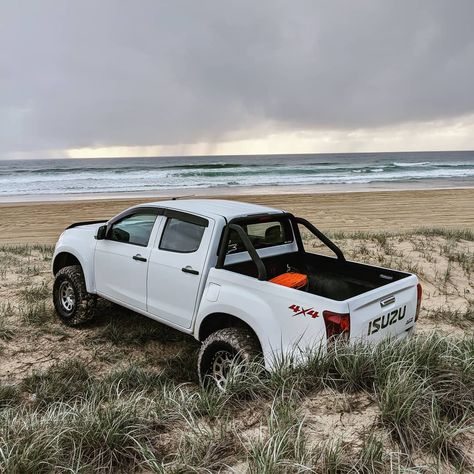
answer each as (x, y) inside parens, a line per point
(456, 234)
(120, 412)
(6, 329)
(68, 417)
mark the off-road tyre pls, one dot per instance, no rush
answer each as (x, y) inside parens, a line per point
(239, 343)
(73, 304)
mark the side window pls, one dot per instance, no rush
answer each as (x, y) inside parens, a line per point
(134, 229)
(181, 236)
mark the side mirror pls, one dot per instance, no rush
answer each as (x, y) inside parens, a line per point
(101, 232)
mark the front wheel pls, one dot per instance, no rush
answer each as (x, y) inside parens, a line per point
(73, 304)
(221, 350)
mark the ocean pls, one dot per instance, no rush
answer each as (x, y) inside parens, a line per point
(69, 178)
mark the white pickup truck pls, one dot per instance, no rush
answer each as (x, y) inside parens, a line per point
(234, 275)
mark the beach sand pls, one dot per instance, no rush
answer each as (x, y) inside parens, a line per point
(44, 358)
(42, 222)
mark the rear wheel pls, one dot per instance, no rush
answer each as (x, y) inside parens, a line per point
(223, 349)
(73, 304)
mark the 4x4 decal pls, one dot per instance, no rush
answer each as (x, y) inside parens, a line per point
(299, 310)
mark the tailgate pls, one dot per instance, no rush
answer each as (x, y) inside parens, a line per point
(388, 311)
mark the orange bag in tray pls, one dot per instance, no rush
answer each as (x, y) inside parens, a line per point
(291, 280)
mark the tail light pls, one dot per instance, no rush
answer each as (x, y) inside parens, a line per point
(337, 324)
(419, 293)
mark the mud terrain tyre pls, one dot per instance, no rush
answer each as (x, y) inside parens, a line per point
(220, 349)
(73, 304)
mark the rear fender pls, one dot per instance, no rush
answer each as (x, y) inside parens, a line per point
(251, 309)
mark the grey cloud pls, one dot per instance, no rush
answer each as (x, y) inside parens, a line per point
(90, 73)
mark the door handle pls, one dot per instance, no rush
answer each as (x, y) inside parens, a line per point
(139, 258)
(188, 269)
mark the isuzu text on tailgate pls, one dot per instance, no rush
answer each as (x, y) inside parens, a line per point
(383, 321)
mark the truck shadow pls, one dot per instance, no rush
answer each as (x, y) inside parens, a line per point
(139, 336)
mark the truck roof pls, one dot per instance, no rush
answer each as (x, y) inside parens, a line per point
(215, 207)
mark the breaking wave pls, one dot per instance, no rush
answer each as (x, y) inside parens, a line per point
(50, 177)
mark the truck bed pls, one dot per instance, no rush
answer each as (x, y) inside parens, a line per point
(328, 277)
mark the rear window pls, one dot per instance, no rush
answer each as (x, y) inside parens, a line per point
(262, 235)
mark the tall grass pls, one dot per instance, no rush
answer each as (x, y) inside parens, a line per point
(283, 446)
(72, 417)
(424, 387)
(86, 436)
(139, 418)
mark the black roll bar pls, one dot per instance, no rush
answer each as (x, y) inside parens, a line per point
(262, 271)
(325, 240)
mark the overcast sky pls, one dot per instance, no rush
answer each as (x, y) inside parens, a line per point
(110, 77)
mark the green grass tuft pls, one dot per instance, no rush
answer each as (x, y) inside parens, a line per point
(35, 293)
(35, 313)
(62, 382)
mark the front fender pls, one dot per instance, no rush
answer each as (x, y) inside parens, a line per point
(82, 249)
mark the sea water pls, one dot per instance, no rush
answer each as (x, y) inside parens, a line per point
(342, 171)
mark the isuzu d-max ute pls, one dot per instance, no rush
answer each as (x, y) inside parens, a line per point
(234, 275)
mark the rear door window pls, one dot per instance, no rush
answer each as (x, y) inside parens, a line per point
(181, 236)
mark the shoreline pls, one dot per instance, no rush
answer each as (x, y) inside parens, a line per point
(242, 191)
(350, 211)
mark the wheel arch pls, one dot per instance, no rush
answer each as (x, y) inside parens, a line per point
(215, 321)
(65, 259)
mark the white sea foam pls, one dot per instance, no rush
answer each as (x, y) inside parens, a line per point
(141, 175)
(410, 165)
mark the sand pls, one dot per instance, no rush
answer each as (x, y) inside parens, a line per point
(33, 339)
(42, 222)
(445, 267)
